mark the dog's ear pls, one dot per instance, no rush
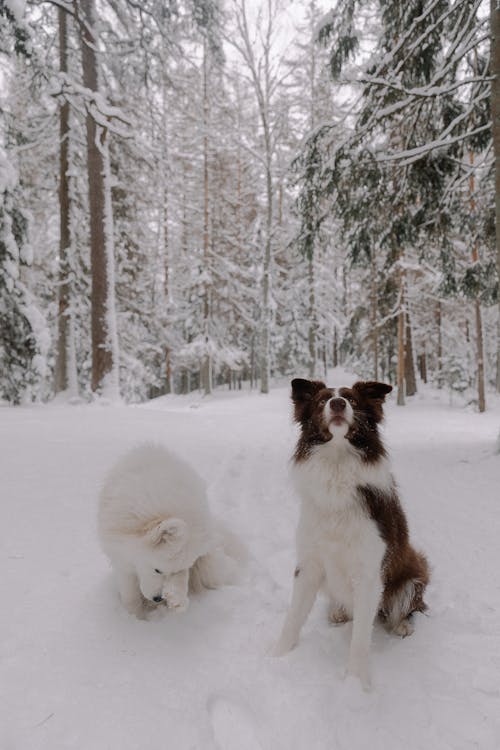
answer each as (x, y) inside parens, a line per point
(371, 389)
(167, 531)
(304, 390)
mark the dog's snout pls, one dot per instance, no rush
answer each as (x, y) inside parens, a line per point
(157, 599)
(337, 404)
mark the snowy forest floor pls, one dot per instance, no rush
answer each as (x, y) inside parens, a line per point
(78, 673)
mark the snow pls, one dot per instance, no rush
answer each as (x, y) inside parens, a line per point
(17, 8)
(78, 672)
(8, 174)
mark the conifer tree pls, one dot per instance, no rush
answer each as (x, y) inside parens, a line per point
(397, 177)
(22, 353)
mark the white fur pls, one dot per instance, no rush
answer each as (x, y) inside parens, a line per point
(338, 546)
(155, 526)
(348, 413)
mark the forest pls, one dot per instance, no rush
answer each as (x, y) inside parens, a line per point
(201, 200)
(198, 194)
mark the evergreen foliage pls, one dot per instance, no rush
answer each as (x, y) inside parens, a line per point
(21, 363)
(277, 209)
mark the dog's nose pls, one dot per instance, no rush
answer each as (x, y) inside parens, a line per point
(157, 598)
(337, 404)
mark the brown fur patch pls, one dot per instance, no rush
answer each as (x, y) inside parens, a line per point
(366, 398)
(309, 398)
(402, 564)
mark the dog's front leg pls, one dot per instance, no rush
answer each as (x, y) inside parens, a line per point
(308, 578)
(175, 592)
(130, 594)
(367, 593)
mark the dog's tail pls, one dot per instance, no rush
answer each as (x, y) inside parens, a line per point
(407, 596)
(221, 566)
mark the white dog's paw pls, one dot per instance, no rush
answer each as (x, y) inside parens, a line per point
(361, 670)
(282, 647)
(136, 607)
(177, 604)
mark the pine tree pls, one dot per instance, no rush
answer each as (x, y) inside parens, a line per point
(495, 111)
(397, 177)
(105, 372)
(22, 329)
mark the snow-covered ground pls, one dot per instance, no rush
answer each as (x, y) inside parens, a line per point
(78, 673)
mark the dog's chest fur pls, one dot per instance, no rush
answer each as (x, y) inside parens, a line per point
(335, 528)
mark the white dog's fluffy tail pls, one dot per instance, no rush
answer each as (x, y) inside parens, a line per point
(222, 565)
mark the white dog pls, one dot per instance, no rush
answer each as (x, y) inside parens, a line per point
(155, 526)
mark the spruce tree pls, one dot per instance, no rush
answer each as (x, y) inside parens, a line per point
(21, 363)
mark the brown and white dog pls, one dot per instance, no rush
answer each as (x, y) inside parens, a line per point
(352, 537)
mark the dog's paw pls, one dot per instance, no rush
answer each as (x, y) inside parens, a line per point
(136, 608)
(338, 615)
(282, 647)
(176, 604)
(404, 628)
(361, 671)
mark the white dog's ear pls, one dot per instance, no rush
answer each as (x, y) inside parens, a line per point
(167, 531)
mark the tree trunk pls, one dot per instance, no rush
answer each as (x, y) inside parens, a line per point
(477, 303)
(495, 110)
(481, 399)
(312, 319)
(110, 386)
(374, 315)
(266, 286)
(400, 378)
(164, 235)
(102, 357)
(63, 327)
(439, 345)
(401, 358)
(411, 381)
(206, 369)
(422, 365)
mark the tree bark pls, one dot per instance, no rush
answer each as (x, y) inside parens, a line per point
(481, 398)
(206, 367)
(401, 344)
(439, 344)
(495, 111)
(422, 364)
(102, 358)
(477, 303)
(374, 315)
(63, 327)
(411, 381)
(312, 319)
(110, 385)
(401, 359)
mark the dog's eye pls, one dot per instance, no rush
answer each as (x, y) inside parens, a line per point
(158, 571)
